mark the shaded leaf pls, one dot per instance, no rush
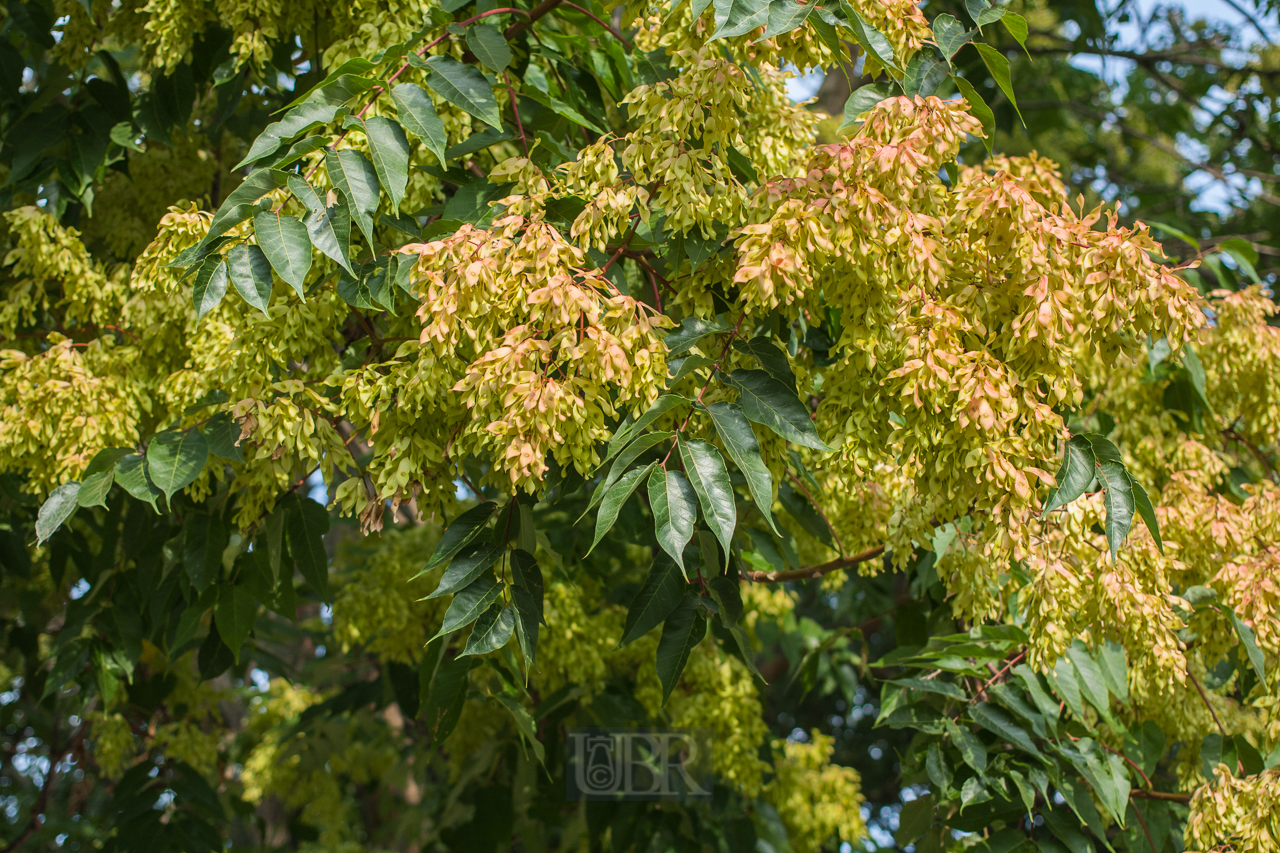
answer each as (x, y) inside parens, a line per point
(459, 533)
(1119, 501)
(56, 509)
(862, 100)
(469, 603)
(175, 459)
(950, 35)
(234, 615)
(682, 630)
(675, 508)
(707, 473)
(284, 240)
(211, 286)
(662, 592)
(735, 431)
(1077, 472)
(250, 272)
(464, 87)
(492, 630)
(131, 474)
(527, 593)
(306, 523)
(614, 499)
(738, 17)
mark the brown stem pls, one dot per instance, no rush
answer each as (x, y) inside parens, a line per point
(539, 11)
(1205, 697)
(615, 33)
(815, 571)
(1160, 795)
(515, 110)
(1143, 822)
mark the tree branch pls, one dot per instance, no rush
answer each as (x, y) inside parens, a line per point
(816, 571)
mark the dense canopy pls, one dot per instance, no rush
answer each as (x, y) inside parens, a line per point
(388, 388)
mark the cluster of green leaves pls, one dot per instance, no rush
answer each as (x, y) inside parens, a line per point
(1004, 747)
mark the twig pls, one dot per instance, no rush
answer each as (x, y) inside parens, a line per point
(615, 33)
(538, 11)
(815, 571)
(1143, 822)
(515, 110)
(1205, 697)
(1160, 795)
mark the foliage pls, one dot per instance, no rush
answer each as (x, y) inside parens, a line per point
(634, 405)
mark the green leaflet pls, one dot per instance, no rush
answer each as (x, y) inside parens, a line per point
(771, 358)
(306, 523)
(204, 537)
(221, 433)
(625, 433)
(998, 65)
(283, 239)
(862, 100)
(739, 17)
(464, 87)
(707, 473)
(692, 330)
(467, 566)
(632, 452)
(871, 40)
(1119, 501)
(464, 528)
(769, 403)
(735, 431)
(662, 591)
(298, 120)
(923, 75)
(492, 630)
(682, 630)
(784, 17)
(211, 285)
(469, 603)
(328, 225)
(418, 114)
(1077, 472)
(527, 593)
(131, 474)
(950, 35)
(490, 47)
(979, 108)
(250, 272)
(234, 615)
(971, 749)
(175, 459)
(1017, 27)
(998, 723)
(1250, 642)
(675, 508)
(389, 149)
(96, 481)
(242, 201)
(983, 12)
(56, 509)
(614, 499)
(353, 174)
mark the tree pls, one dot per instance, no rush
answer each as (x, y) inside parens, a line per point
(634, 406)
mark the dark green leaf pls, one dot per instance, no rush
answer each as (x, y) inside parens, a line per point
(492, 630)
(390, 152)
(705, 468)
(771, 357)
(692, 330)
(1250, 643)
(1119, 502)
(950, 35)
(768, 402)
(306, 524)
(614, 499)
(681, 631)
(131, 474)
(175, 459)
(283, 239)
(464, 87)
(419, 115)
(785, 16)
(467, 566)
(328, 225)
(942, 688)
(95, 482)
(983, 12)
(221, 433)
(998, 723)
(979, 108)
(799, 508)
(464, 528)
(527, 593)
(662, 592)
(469, 603)
(924, 73)
(250, 272)
(490, 47)
(1077, 472)
(204, 538)
(862, 100)
(739, 17)
(56, 509)
(354, 176)
(211, 285)
(674, 505)
(298, 120)
(735, 431)
(631, 453)
(971, 749)
(235, 614)
(998, 65)
(242, 202)
(1012, 699)
(871, 40)
(626, 432)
